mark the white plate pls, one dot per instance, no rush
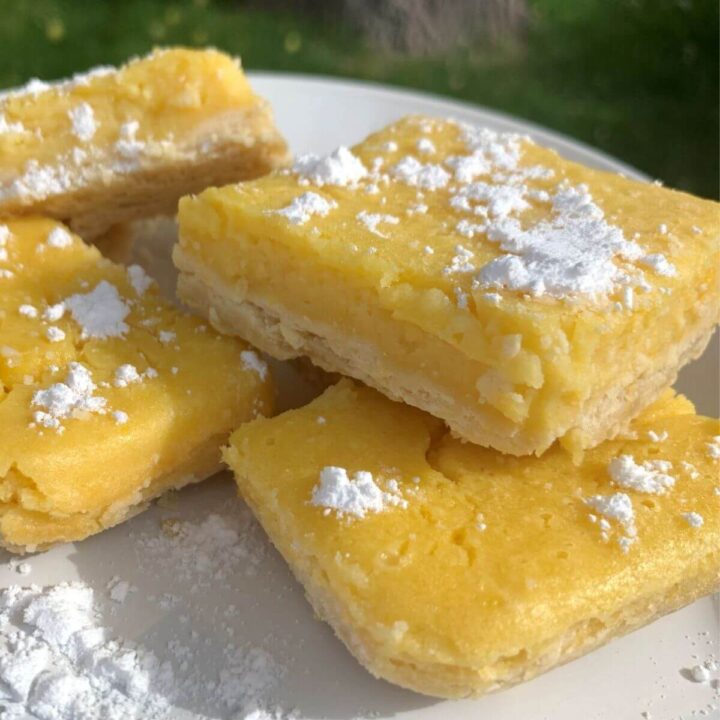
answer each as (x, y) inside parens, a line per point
(641, 672)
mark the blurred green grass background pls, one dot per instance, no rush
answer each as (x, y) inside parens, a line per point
(636, 78)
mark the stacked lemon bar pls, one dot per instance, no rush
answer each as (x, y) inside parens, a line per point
(517, 296)
(114, 145)
(108, 395)
(541, 490)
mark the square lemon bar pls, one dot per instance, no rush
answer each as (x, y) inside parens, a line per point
(455, 570)
(516, 295)
(113, 145)
(108, 395)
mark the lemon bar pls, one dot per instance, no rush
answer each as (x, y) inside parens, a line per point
(108, 395)
(455, 570)
(516, 295)
(114, 145)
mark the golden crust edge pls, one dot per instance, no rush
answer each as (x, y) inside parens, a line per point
(203, 463)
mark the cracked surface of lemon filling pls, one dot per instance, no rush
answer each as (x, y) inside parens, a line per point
(118, 144)
(455, 570)
(108, 395)
(518, 296)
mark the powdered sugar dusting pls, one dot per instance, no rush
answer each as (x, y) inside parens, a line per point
(68, 399)
(53, 313)
(252, 361)
(10, 128)
(58, 663)
(59, 237)
(126, 375)
(82, 118)
(38, 182)
(714, 448)
(372, 220)
(355, 496)
(577, 251)
(703, 674)
(206, 552)
(425, 145)
(128, 146)
(54, 334)
(203, 566)
(428, 176)
(694, 519)
(651, 476)
(36, 86)
(139, 279)
(461, 262)
(248, 674)
(618, 508)
(572, 253)
(28, 311)
(568, 250)
(339, 168)
(496, 149)
(302, 208)
(100, 313)
(496, 200)
(660, 264)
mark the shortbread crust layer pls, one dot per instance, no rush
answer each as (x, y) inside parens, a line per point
(25, 530)
(283, 334)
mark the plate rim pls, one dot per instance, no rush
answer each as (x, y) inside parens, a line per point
(446, 104)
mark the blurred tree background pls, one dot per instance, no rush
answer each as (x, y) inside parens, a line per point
(636, 78)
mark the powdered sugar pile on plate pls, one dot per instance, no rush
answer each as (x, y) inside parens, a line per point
(58, 663)
(60, 659)
(204, 553)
